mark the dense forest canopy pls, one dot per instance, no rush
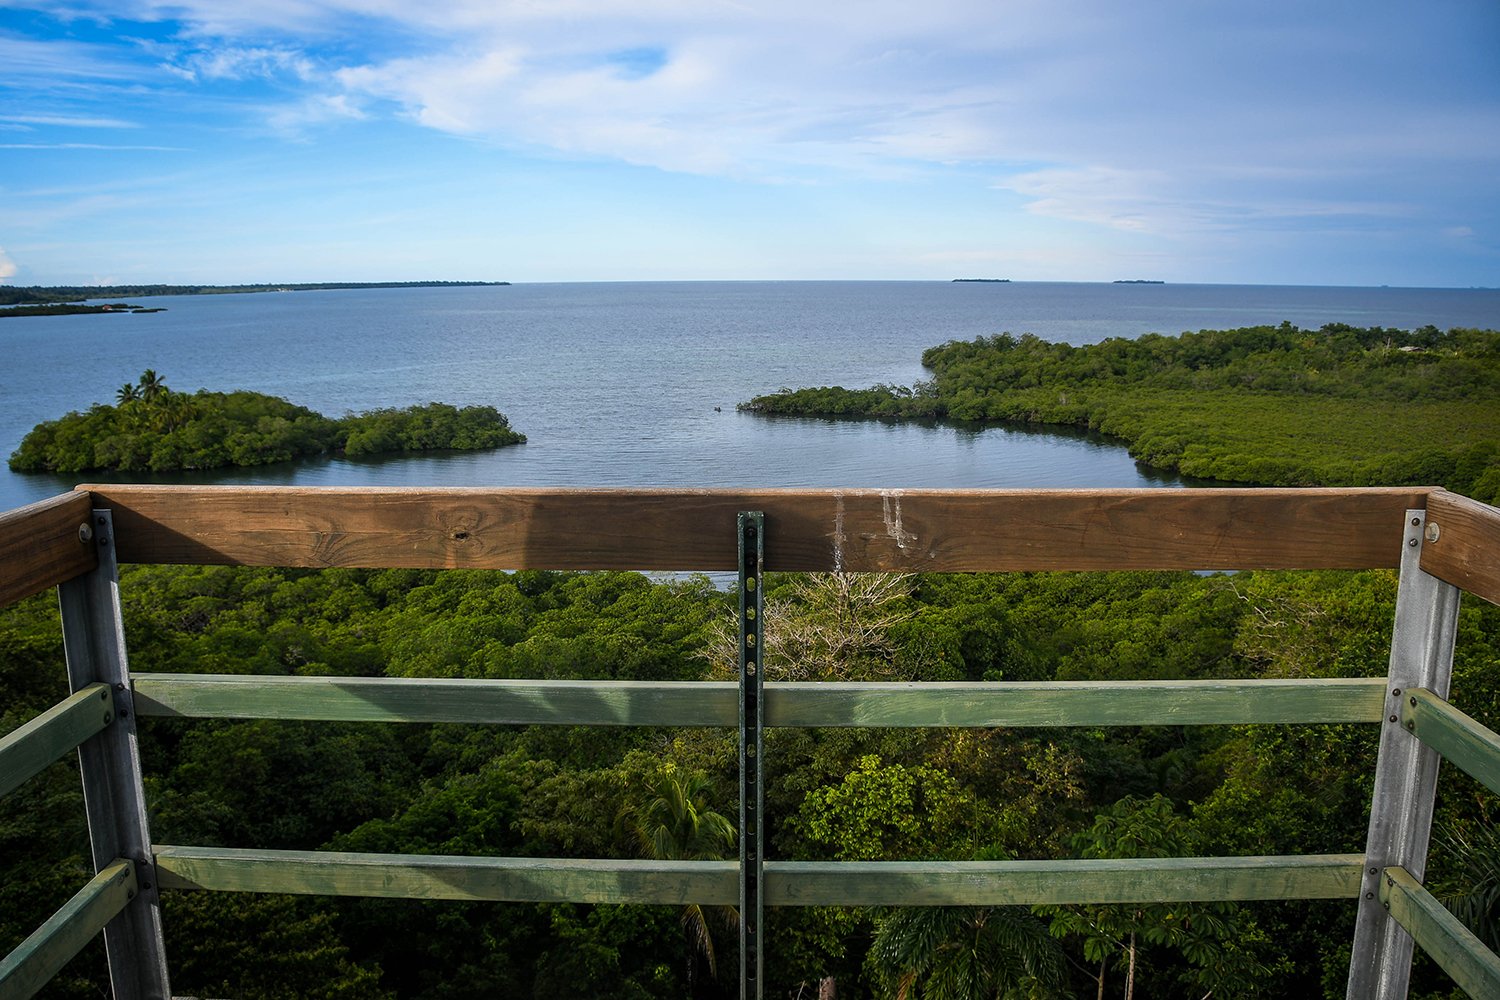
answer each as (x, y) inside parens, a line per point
(1278, 406)
(151, 427)
(843, 794)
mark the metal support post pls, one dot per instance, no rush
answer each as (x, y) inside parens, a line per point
(94, 639)
(752, 746)
(1405, 770)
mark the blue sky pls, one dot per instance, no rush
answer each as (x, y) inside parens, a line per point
(227, 141)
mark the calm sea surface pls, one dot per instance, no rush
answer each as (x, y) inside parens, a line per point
(618, 384)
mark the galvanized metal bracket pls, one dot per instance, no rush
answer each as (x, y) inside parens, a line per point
(110, 765)
(1405, 770)
(752, 748)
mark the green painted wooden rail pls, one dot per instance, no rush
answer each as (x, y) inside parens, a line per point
(1452, 945)
(1469, 745)
(788, 704)
(51, 946)
(27, 750)
(788, 883)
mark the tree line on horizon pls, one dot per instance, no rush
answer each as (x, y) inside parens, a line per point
(43, 294)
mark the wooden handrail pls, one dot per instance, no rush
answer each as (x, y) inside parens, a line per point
(814, 529)
(1463, 544)
(40, 545)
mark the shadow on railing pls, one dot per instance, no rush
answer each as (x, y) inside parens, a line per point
(1439, 541)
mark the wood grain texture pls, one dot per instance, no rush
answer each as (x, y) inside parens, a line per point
(417, 699)
(421, 876)
(1024, 883)
(40, 548)
(826, 529)
(25, 971)
(57, 731)
(1076, 703)
(1439, 933)
(1459, 738)
(1466, 552)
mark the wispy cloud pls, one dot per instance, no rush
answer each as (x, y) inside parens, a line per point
(27, 59)
(88, 145)
(69, 121)
(243, 63)
(7, 266)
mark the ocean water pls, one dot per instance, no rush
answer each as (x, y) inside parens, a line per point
(635, 384)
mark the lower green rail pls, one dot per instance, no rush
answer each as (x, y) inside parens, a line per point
(787, 883)
(1442, 935)
(51, 946)
(787, 705)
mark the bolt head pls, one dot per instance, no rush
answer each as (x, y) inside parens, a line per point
(85, 532)
(1412, 543)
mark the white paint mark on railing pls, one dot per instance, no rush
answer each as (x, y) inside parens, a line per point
(838, 532)
(890, 509)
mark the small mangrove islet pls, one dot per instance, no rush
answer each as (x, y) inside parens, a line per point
(153, 428)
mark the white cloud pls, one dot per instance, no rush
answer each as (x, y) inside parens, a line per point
(242, 63)
(7, 266)
(1132, 200)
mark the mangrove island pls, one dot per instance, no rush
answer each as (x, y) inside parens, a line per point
(152, 427)
(1268, 405)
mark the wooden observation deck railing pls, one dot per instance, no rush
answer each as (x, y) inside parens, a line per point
(1439, 541)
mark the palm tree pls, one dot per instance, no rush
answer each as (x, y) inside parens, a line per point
(968, 953)
(1469, 885)
(677, 824)
(152, 385)
(176, 409)
(127, 393)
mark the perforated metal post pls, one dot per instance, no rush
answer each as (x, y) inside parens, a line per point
(1405, 770)
(752, 636)
(110, 764)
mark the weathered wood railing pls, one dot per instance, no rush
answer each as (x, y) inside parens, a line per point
(1439, 541)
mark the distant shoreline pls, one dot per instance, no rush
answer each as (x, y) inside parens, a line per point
(48, 294)
(73, 309)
